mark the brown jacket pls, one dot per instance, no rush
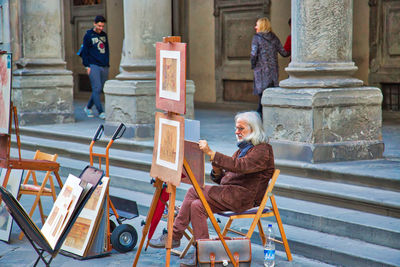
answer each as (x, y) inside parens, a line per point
(244, 180)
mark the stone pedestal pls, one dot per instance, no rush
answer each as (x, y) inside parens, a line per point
(321, 113)
(130, 98)
(133, 103)
(42, 87)
(321, 125)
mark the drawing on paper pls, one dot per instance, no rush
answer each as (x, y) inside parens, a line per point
(168, 144)
(169, 75)
(76, 238)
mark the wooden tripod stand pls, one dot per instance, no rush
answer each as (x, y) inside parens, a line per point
(19, 163)
(171, 208)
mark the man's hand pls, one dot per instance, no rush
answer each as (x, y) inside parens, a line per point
(203, 145)
(88, 70)
(217, 171)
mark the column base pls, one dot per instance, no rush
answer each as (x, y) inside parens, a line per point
(133, 131)
(43, 97)
(132, 102)
(324, 125)
(328, 152)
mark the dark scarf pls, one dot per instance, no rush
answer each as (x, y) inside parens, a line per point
(244, 146)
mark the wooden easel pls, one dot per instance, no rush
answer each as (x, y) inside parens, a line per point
(19, 163)
(171, 208)
(171, 189)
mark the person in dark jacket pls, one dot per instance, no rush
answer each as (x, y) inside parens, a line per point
(242, 178)
(95, 57)
(264, 58)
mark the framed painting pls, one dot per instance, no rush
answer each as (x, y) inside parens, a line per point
(6, 220)
(171, 77)
(168, 148)
(5, 92)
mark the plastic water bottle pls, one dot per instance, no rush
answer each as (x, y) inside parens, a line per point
(269, 249)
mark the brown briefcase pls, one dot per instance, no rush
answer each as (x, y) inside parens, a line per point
(211, 252)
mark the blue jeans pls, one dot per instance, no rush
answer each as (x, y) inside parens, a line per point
(98, 76)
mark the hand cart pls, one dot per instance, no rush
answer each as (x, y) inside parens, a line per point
(123, 237)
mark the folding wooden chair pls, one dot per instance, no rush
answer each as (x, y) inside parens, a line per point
(256, 214)
(38, 189)
(19, 163)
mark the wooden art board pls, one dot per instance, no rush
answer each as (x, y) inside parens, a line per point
(195, 157)
(171, 77)
(168, 148)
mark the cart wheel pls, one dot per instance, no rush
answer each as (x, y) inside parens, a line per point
(124, 238)
(112, 226)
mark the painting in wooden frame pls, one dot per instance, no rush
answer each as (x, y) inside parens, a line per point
(168, 149)
(171, 77)
(5, 92)
(12, 186)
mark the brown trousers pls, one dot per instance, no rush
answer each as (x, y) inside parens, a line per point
(192, 210)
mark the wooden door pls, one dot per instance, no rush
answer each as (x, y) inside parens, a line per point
(83, 13)
(385, 50)
(234, 30)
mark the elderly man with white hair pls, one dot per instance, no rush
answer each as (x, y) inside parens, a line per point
(242, 178)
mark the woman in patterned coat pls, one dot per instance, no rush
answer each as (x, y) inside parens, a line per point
(264, 58)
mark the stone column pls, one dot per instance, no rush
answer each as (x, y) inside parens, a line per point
(321, 113)
(42, 87)
(130, 98)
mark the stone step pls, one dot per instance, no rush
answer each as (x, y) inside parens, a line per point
(384, 175)
(372, 200)
(33, 138)
(376, 229)
(332, 249)
(369, 227)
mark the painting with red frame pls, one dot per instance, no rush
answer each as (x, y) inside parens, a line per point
(171, 77)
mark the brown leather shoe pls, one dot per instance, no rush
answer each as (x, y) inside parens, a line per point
(189, 261)
(162, 240)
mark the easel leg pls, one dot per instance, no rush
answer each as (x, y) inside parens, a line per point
(171, 211)
(208, 210)
(280, 226)
(156, 196)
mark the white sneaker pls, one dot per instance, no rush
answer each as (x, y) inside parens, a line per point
(88, 112)
(102, 116)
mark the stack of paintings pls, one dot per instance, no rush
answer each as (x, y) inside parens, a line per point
(88, 236)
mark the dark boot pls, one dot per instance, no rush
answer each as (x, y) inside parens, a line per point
(162, 240)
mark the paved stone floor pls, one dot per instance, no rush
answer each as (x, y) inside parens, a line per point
(19, 253)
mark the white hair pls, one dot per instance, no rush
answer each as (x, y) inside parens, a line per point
(257, 135)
